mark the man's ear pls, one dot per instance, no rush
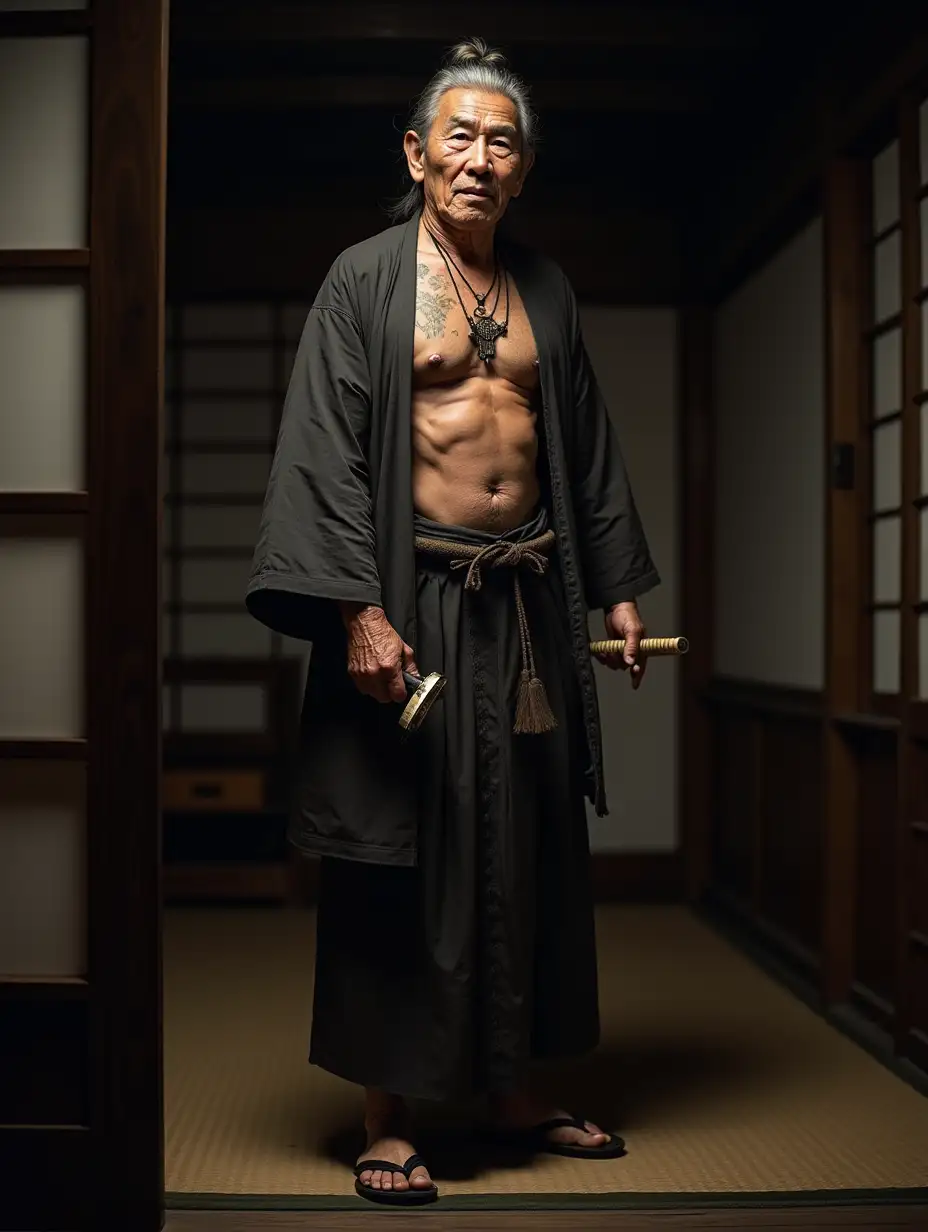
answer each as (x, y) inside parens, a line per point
(412, 148)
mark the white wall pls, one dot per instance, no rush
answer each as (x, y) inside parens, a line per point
(634, 354)
(769, 406)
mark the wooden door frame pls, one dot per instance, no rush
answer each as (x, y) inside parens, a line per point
(126, 447)
(108, 1167)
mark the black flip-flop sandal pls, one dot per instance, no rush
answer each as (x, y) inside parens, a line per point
(536, 1137)
(393, 1197)
(610, 1149)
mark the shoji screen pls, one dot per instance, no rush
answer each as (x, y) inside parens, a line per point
(44, 176)
(885, 361)
(228, 367)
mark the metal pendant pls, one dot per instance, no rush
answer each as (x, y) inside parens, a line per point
(485, 331)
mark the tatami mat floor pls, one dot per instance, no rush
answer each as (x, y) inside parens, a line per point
(718, 1078)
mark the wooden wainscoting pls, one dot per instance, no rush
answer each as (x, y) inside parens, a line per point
(768, 807)
(773, 878)
(875, 754)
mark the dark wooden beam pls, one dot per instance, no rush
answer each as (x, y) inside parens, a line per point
(619, 25)
(286, 251)
(616, 94)
(739, 223)
(45, 25)
(42, 504)
(44, 258)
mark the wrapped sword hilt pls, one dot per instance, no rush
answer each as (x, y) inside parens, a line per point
(649, 646)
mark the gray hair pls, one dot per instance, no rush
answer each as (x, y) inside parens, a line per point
(470, 64)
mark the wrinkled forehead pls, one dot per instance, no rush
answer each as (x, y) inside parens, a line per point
(482, 110)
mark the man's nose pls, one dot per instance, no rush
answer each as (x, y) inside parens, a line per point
(480, 156)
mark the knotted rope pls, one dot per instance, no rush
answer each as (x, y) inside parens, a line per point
(533, 712)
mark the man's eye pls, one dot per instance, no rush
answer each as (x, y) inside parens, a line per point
(459, 137)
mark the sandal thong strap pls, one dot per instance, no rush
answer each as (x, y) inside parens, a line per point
(384, 1165)
(561, 1122)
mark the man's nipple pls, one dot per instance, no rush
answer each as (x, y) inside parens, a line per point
(435, 360)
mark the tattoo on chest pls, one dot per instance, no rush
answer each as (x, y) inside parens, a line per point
(433, 302)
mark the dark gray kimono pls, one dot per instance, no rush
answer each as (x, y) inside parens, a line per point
(338, 525)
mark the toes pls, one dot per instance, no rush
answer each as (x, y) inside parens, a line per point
(399, 1181)
(365, 1177)
(386, 1180)
(420, 1179)
(375, 1179)
(594, 1135)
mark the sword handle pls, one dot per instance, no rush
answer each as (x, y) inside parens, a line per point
(411, 682)
(650, 646)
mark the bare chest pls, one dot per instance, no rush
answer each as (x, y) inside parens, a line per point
(444, 349)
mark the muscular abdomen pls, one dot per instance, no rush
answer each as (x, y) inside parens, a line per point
(475, 453)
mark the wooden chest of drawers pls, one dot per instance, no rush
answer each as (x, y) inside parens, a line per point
(225, 791)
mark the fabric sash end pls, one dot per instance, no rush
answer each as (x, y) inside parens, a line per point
(533, 711)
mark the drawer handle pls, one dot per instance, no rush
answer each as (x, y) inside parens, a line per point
(206, 791)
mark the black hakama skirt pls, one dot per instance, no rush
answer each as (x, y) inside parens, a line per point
(445, 980)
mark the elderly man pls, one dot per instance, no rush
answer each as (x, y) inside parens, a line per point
(447, 494)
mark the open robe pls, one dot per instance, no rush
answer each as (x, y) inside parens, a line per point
(338, 525)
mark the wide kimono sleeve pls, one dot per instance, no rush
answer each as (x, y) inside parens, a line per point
(316, 539)
(614, 553)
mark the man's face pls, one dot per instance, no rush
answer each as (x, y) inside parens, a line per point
(472, 163)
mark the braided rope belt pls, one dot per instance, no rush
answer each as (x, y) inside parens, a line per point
(533, 712)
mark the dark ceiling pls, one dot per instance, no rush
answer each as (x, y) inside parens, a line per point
(642, 104)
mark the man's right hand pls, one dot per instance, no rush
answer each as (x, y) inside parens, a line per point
(377, 655)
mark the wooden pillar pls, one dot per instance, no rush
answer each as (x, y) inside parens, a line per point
(697, 508)
(844, 198)
(908, 756)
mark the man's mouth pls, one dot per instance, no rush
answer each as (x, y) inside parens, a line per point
(474, 192)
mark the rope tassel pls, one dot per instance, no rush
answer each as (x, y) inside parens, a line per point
(533, 712)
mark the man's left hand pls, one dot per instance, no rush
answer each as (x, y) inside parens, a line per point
(623, 621)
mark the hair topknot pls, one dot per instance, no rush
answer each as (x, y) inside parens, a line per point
(474, 51)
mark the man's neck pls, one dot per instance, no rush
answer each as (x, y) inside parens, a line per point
(471, 248)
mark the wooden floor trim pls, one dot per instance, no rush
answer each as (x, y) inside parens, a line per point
(618, 877)
(638, 876)
(872, 1216)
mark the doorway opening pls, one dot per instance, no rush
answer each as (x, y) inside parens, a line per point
(283, 149)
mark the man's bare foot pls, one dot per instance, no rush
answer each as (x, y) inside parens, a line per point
(519, 1110)
(387, 1124)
